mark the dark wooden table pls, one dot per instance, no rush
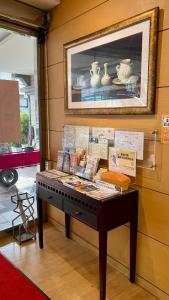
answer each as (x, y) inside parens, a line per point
(102, 215)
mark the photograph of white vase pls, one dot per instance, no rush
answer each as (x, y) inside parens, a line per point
(81, 81)
(124, 69)
(106, 77)
(95, 74)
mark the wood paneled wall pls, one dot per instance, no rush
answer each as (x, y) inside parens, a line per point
(74, 19)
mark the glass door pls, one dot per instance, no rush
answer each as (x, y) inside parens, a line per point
(19, 161)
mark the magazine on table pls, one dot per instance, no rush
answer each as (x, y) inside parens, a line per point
(52, 174)
(98, 190)
(72, 181)
(102, 193)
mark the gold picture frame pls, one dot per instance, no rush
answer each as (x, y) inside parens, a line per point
(113, 71)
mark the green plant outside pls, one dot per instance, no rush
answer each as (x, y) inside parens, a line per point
(24, 121)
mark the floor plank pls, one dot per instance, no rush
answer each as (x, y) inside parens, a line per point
(65, 270)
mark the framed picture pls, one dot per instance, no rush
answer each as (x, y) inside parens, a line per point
(113, 71)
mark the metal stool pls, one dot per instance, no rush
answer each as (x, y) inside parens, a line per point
(24, 208)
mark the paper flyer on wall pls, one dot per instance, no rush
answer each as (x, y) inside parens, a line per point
(82, 137)
(69, 137)
(98, 141)
(165, 129)
(99, 150)
(122, 161)
(130, 140)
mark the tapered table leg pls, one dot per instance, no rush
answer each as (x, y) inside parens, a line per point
(133, 241)
(40, 222)
(67, 225)
(102, 263)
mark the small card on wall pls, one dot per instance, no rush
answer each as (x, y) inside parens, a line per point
(165, 129)
(122, 161)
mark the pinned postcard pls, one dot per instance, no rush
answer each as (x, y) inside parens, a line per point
(122, 161)
(131, 140)
(165, 129)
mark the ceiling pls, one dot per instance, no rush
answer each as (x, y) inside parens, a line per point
(42, 4)
(19, 62)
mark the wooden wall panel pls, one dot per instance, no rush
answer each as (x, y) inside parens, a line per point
(153, 215)
(153, 262)
(68, 10)
(56, 114)
(55, 80)
(108, 11)
(162, 59)
(56, 214)
(88, 234)
(71, 21)
(55, 143)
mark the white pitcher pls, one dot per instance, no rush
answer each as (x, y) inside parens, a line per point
(95, 74)
(124, 69)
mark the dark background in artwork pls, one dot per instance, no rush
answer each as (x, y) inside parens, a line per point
(112, 53)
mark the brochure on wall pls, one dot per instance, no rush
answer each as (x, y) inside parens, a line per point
(98, 141)
(99, 150)
(102, 133)
(130, 140)
(123, 161)
(69, 137)
(165, 129)
(82, 137)
(76, 137)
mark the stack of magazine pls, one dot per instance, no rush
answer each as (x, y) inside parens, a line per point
(98, 190)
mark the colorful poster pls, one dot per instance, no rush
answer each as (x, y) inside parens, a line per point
(10, 112)
(122, 161)
(165, 129)
(130, 140)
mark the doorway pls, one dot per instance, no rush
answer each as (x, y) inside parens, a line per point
(18, 62)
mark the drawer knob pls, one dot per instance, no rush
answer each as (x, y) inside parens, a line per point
(77, 213)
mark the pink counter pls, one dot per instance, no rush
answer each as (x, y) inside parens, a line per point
(19, 159)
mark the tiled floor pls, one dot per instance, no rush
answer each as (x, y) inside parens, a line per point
(25, 183)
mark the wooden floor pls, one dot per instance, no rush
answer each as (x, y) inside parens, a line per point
(65, 270)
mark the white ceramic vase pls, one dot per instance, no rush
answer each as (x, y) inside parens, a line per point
(95, 74)
(106, 78)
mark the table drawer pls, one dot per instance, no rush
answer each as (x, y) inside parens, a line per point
(50, 197)
(80, 214)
